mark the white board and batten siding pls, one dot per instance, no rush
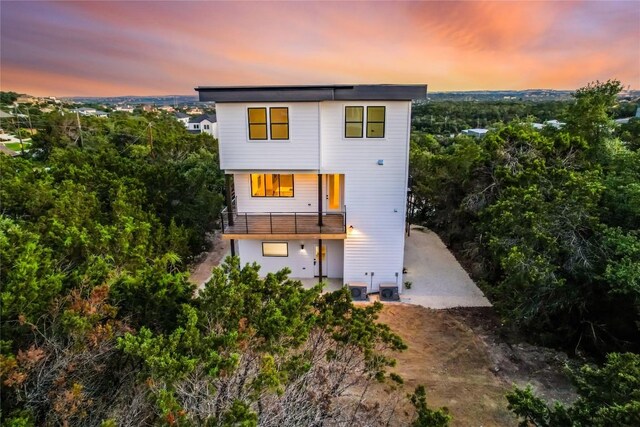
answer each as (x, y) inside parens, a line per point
(375, 195)
(299, 261)
(299, 152)
(305, 195)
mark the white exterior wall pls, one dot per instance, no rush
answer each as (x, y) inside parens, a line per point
(299, 261)
(305, 196)
(375, 196)
(238, 152)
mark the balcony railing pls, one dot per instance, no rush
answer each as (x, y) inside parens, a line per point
(282, 222)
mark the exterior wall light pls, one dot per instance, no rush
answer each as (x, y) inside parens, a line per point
(351, 228)
(302, 247)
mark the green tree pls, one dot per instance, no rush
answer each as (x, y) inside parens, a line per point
(607, 396)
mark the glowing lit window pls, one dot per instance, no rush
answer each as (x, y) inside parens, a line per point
(375, 122)
(257, 123)
(278, 249)
(279, 118)
(354, 118)
(271, 185)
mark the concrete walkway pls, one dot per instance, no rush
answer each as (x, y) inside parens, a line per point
(438, 280)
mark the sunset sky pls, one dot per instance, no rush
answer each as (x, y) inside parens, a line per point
(156, 48)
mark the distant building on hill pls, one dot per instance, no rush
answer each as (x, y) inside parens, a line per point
(124, 108)
(204, 123)
(194, 110)
(26, 99)
(476, 132)
(182, 118)
(88, 111)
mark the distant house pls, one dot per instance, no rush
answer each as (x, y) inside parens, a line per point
(555, 123)
(204, 123)
(167, 108)
(476, 132)
(84, 111)
(182, 118)
(194, 110)
(124, 108)
(148, 108)
(26, 99)
(87, 111)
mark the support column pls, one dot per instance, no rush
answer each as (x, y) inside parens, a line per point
(233, 247)
(319, 260)
(228, 201)
(320, 200)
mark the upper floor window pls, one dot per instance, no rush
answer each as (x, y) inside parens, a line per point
(206, 126)
(279, 122)
(271, 185)
(196, 126)
(354, 118)
(375, 122)
(257, 123)
(275, 128)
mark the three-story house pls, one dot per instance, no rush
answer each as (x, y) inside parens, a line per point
(317, 178)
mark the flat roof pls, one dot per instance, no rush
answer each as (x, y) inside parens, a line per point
(311, 93)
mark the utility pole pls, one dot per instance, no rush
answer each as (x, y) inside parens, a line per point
(15, 110)
(30, 125)
(79, 129)
(151, 139)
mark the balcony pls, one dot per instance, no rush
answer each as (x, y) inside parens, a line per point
(283, 225)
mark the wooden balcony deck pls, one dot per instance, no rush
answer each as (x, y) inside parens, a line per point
(283, 225)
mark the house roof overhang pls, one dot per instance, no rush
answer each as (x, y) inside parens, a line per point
(311, 93)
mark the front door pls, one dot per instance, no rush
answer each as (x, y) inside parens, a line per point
(334, 189)
(320, 257)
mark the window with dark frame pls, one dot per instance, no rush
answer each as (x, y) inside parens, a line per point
(375, 122)
(275, 249)
(271, 185)
(279, 118)
(353, 123)
(257, 123)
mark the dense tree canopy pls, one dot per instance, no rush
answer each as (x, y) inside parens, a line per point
(548, 221)
(100, 325)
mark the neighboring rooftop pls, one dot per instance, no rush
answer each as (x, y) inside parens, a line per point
(311, 93)
(203, 117)
(180, 115)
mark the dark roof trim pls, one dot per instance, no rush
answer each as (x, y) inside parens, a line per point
(311, 93)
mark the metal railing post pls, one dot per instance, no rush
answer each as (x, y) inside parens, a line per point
(270, 223)
(295, 222)
(246, 222)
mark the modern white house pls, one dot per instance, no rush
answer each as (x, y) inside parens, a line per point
(317, 179)
(182, 118)
(204, 123)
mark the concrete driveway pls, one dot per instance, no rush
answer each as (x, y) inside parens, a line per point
(438, 280)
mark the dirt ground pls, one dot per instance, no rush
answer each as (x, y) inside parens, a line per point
(201, 271)
(464, 364)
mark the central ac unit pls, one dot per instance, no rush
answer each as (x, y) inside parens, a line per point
(358, 291)
(389, 292)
